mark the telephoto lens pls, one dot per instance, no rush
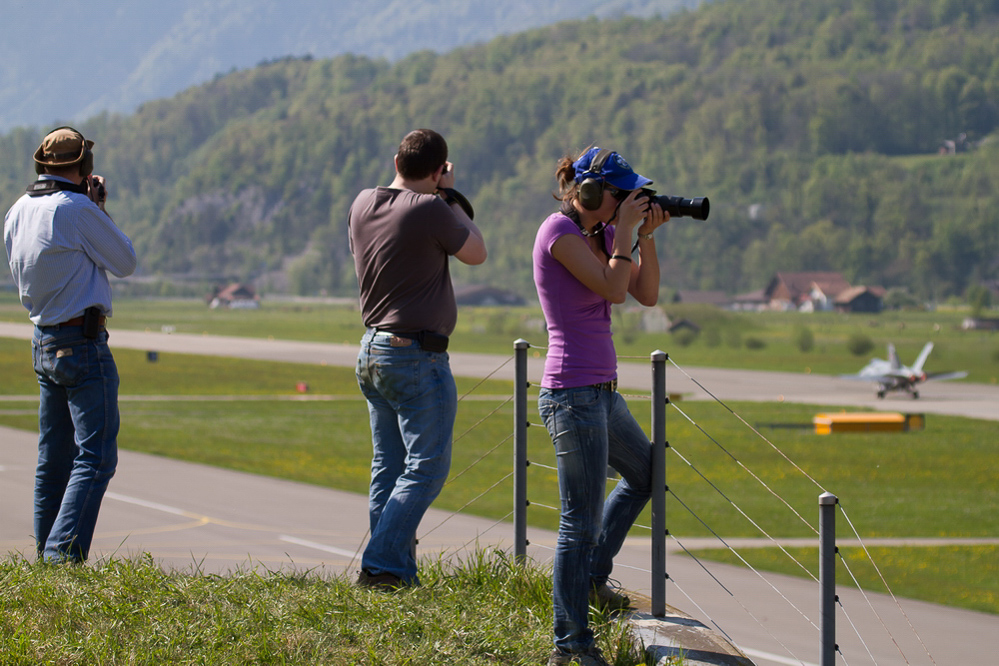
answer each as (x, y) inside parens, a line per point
(697, 208)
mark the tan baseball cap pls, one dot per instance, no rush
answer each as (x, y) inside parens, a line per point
(62, 147)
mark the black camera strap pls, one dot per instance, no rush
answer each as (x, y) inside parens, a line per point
(40, 188)
(452, 195)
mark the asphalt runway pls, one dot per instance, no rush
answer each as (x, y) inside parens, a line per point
(194, 517)
(697, 383)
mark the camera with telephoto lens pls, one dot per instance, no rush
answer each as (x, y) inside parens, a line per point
(697, 208)
(100, 193)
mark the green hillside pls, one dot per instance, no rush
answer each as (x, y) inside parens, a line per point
(813, 127)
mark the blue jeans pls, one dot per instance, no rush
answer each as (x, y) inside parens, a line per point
(412, 402)
(591, 427)
(77, 438)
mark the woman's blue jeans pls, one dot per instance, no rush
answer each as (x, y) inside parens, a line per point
(412, 402)
(77, 438)
(591, 427)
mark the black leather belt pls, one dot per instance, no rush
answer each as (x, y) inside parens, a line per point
(428, 340)
(78, 321)
(607, 386)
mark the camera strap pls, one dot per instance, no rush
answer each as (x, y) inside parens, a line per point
(571, 213)
(452, 195)
(40, 188)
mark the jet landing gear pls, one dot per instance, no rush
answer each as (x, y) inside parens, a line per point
(884, 388)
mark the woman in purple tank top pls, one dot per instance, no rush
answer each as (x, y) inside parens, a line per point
(582, 264)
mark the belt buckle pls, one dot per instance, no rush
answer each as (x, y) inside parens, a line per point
(612, 385)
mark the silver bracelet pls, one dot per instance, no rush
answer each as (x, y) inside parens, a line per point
(645, 236)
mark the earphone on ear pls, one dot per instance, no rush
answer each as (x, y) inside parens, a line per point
(591, 189)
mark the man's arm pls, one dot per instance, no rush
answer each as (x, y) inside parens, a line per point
(106, 244)
(473, 252)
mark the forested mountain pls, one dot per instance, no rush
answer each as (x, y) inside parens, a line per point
(116, 55)
(813, 127)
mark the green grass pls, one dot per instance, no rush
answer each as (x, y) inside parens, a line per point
(965, 576)
(484, 610)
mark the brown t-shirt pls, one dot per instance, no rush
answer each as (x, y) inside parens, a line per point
(401, 241)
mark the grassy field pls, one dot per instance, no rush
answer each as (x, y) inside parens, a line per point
(941, 481)
(966, 576)
(484, 611)
(765, 341)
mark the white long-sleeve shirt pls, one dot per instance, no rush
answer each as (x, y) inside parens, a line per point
(60, 247)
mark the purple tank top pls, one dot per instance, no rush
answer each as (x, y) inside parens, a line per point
(580, 346)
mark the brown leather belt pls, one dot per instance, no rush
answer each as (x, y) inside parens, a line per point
(78, 321)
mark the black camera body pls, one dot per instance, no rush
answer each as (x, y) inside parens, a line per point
(697, 208)
(101, 193)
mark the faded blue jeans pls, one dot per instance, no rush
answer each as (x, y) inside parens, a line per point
(412, 402)
(591, 427)
(77, 438)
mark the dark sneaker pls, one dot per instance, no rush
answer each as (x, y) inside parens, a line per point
(607, 599)
(385, 582)
(591, 657)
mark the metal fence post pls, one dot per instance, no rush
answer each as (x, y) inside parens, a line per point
(520, 463)
(827, 575)
(658, 500)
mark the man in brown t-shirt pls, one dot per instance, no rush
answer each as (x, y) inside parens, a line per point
(401, 237)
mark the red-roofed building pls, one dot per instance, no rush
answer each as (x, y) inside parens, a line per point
(807, 291)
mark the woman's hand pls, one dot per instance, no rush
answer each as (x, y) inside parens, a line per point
(631, 212)
(655, 218)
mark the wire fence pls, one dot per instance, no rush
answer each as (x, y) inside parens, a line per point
(699, 482)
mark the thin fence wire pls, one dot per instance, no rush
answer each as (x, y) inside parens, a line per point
(818, 485)
(745, 423)
(487, 378)
(737, 508)
(701, 564)
(728, 453)
(887, 587)
(736, 599)
(857, 631)
(741, 558)
(452, 514)
(738, 462)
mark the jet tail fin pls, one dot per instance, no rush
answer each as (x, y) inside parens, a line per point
(923, 355)
(893, 358)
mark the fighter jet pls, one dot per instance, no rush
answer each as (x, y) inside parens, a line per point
(891, 375)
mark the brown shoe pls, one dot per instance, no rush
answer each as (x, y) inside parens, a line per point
(591, 657)
(606, 599)
(386, 582)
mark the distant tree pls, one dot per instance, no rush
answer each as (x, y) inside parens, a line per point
(859, 344)
(897, 298)
(979, 298)
(804, 339)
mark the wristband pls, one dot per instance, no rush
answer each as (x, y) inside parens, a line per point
(621, 256)
(647, 236)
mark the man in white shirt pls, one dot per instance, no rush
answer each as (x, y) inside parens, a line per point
(60, 246)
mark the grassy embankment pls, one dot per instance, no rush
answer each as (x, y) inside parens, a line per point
(483, 611)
